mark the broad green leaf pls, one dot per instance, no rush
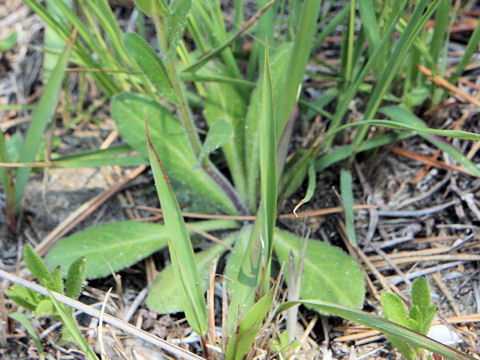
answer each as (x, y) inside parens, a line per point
(242, 341)
(43, 114)
(278, 67)
(130, 111)
(115, 246)
(346, 151)
(37, 267)
(22, 319)
(150, 64)
(268, 164)
(176, 22)
(329, 274)
(164, 294)
(219, 133)
(404, 116)
(347, 199)
(75, 278)
(179, 245)
(385, 326)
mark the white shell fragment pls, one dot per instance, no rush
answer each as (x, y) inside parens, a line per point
(444, 335)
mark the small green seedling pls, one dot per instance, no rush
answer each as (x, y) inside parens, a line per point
(419, 318)
(283, 346)
(43, 306)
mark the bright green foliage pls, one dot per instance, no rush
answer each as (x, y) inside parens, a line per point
(251, 118)
(283, 347)
(250, 324)
(419, 317)
(43, 306)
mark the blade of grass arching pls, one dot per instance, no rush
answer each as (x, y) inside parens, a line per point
(347, 199)
(180, 246)
(22, 319)
(312, 182)
(72, 327)
(406, 116)
(43, 114)
(415, 24)
(467, 55)
(346, 151)
(385, 326)
(298, 61)
(268, 163)
(350, 92)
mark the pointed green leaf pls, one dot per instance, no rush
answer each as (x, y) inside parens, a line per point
(164, 294)
(75, 278)
(329, 274)
(23, 297)
(150, 64)
(241, 343)
(22, 319)
(268, 161)
(36, 266)
(312, 182)
(43, 114)
(179, 245)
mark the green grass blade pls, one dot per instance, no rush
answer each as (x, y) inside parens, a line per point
(180, 246)
(43, 114)
(347, 199)
(312, 182)
(22, 319)
(298, 61)
(387, 327)
(467, 55)
(268, 161)
(72, 327)
(350, 92)
(415, 24)
(120, 155)
(440, 32)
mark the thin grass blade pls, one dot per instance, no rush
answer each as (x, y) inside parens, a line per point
(180, 246)
(43, 114)
(387, 327)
